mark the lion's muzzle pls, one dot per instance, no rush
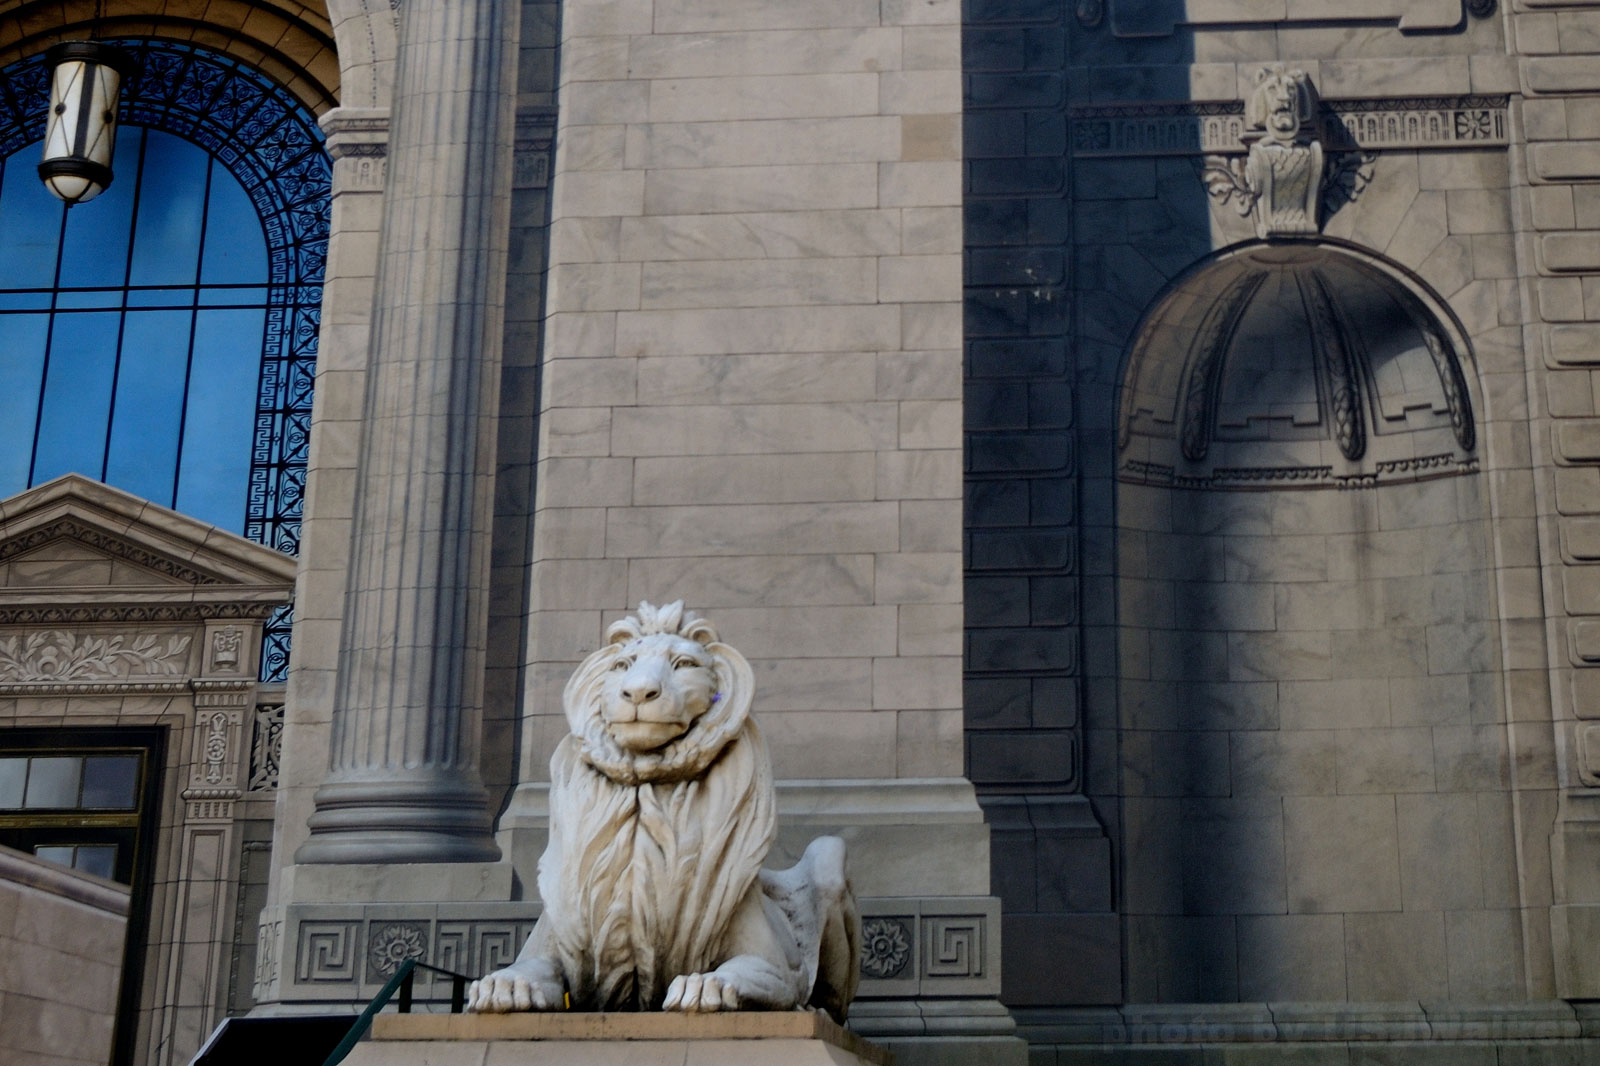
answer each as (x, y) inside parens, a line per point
(654, 694)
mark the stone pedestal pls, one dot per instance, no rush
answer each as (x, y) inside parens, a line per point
(786, 1038)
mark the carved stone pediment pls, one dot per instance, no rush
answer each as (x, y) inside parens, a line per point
(74, 550)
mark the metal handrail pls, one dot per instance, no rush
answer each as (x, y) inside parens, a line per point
(401, 981)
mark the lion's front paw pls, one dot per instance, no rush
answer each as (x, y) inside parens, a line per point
(701, 992)
(513, 989)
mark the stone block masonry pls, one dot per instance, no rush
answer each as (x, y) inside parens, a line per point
(751, 400)
(752, 366)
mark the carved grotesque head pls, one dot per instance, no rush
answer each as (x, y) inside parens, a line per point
(660, 699)
(1282, 103)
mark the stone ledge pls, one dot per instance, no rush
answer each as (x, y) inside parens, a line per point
(1178, 1024)
(369, 883)
(1356, 1053)
(23, 870)
(615, 1026)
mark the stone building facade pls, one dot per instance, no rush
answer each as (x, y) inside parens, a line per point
(1145, 447)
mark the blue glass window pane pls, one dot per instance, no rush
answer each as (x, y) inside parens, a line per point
(220, 422)
(94, 299)
(251, 296)
(149, 404)
(23, 301)
(236, 250)
(94, 250)
(22, 342)
(60, 854)
(173, 297)
(166, 240)
(53, 781)
(110, 781)
(13, 774)
(30, 224)
(77, 396)
(97, 859)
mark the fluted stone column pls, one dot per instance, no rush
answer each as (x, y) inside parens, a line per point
(403, 783)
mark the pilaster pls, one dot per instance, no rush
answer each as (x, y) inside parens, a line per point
(404, 782)
(1558, 70)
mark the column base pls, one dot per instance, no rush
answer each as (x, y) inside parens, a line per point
(399, 821)
(441, 883)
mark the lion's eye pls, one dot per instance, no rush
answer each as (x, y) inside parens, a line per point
(684, 663)
(621, 664)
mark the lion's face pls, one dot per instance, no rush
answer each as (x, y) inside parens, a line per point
(660, 699)
(1280, 104)
(1283, 107)
(655, 689)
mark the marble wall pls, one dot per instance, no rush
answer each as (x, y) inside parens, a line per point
(1241, 680)
(61, 939)
(1314, 765)
(751, 375)
(1329, 744)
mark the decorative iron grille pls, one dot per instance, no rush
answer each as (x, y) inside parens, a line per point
(273, 147)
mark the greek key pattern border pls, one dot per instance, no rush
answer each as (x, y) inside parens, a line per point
(910, 947)
(1206, 128)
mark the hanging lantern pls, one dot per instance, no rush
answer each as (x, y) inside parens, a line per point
(85, 78)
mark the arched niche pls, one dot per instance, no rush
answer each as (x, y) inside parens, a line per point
(1294, 365)
(1311, 753)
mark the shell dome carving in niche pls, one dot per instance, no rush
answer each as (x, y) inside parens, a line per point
(1293, 365)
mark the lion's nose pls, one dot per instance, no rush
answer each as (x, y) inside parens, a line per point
(641, 691)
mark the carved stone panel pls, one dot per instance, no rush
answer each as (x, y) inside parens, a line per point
(910, 947)
(266, 747)
(58, 656)
(1218, 127)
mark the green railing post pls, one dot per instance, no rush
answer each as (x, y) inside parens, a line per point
(359, 1029)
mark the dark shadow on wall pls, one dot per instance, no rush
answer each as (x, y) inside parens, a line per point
(1150, 806)
(1045, 327)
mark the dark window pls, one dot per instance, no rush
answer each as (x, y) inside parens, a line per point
(100, 782)
(104, 788)
(80, 808)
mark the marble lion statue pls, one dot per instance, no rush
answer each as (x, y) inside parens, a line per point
(661, 815)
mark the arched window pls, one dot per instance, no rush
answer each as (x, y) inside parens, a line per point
(162, 338)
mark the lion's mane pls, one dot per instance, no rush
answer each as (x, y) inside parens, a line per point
(652, 849)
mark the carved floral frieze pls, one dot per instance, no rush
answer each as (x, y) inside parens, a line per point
(58, 655)
(392, 944)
